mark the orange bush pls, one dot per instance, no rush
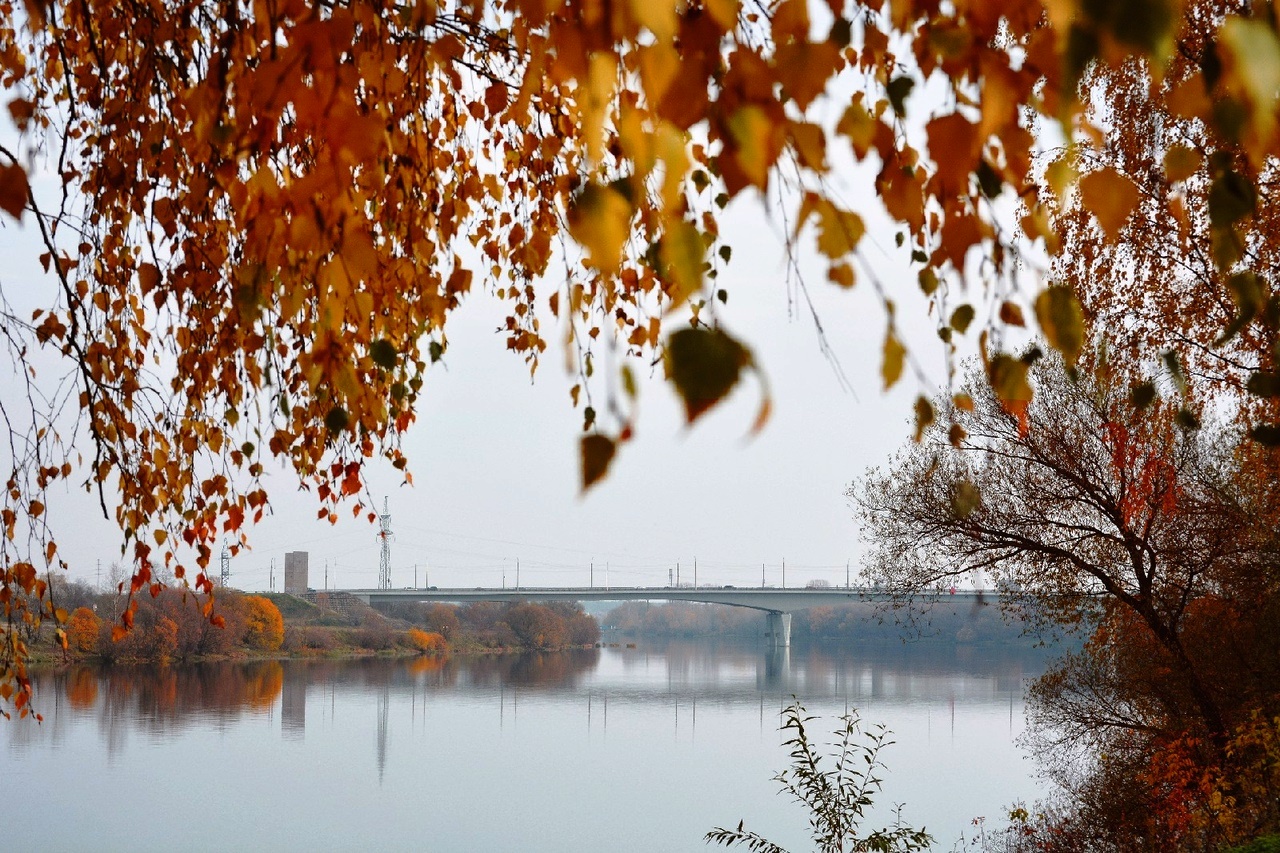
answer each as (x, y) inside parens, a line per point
(82, 631)
(264, 626)
(427, 642)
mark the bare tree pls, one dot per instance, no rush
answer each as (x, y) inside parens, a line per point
(1078, 504)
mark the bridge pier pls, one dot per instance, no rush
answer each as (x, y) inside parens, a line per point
(779, 628)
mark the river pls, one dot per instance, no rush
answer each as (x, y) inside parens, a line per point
(609, 749)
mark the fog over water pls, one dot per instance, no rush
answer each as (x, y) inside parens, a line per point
(606, 749)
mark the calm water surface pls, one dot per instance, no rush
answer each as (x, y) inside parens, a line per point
(612, 749)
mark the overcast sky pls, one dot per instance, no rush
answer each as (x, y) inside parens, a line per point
(494, 456)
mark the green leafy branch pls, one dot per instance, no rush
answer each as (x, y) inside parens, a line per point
(837, 799)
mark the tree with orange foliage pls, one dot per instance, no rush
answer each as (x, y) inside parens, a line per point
(1088, 512)
(263, 624)
(427, 642)
(82, 631)
(326, 181)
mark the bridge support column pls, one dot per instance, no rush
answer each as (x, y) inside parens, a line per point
(779, 629)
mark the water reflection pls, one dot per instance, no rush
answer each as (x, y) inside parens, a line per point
(687, 730)
(166, 700)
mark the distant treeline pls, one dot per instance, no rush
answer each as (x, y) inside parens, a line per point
(966, 622)
(490, 624)
(176, 624)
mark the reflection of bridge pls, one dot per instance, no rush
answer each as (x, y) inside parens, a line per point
(778, 604)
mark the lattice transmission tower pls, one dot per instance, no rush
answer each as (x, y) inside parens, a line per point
(384, 565)
(224, 575)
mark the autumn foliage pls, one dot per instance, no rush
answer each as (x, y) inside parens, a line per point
(427, 642)
(324, 183)
(258, 218)
(264, 626)
(82, 631)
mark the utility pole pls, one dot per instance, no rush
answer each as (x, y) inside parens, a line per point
(846, 575)
(762, 575)
(415, 575)
(695, 572)
(593, 574)
(224, 575)
(517, 572)
(97, 577)
(384, 564)
(271, 576)
(326, 575)
(677, 574)
(784, 572)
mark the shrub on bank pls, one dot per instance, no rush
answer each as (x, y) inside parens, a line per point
(375, 638)
(426, 642)
(82, 631)
(302, 639)
(264, 626)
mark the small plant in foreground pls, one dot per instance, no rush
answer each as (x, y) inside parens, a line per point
(837, 799)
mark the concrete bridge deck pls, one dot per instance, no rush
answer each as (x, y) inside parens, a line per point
(777, 602)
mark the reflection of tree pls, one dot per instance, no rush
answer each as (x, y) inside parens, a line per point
(163, 699)
(534, 669)
(82, 688)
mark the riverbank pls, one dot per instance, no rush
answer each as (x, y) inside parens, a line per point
(181, 627)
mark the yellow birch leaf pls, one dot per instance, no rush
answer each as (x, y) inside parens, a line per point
(13, 190)
(657, 16)
(841, 274)
(754, 150)
(1060, 175)
(1251, 65)
(659, 64)
(704, 365)
(1181, 162)
(810, 143)
(894, 357)
(803, 68)
(1111, 197)
(602, 79)
(672, 147)
(1061, 319)
(790, 21)
(723, 12)
(858, 126)
(148, 277)
(597, 452)
(838, 230)
(683, 253)
(924, 416)
(600, 220)
(1008, 377)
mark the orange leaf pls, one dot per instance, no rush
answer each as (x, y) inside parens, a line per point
(14, 190)
(1111, 197)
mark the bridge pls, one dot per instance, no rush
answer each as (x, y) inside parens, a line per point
(777, 603)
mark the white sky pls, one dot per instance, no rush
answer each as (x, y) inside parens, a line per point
(495, 463)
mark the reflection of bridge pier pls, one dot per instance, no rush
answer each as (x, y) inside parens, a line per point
(777, 668)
